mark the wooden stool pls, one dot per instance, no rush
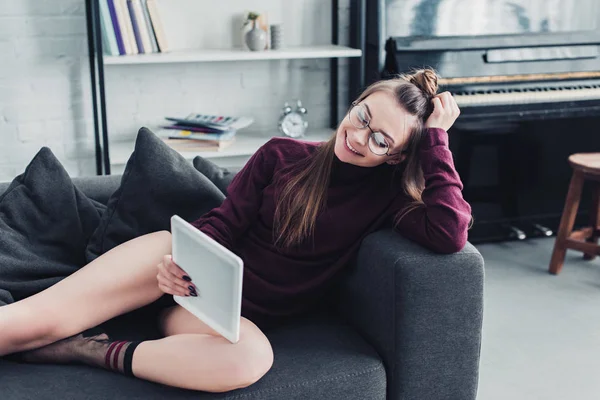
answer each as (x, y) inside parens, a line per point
(586, 166)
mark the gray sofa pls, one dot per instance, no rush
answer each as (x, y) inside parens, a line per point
(405, 323)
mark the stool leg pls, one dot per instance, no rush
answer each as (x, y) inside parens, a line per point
(566, 222)
(594, 219)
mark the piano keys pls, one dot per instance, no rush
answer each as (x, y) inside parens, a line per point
(531, 100)
(519, 87)
(550, 92)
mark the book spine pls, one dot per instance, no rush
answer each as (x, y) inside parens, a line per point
(141, 23)
(201, 136)
(108, 33)
(182, 127)
(122, 17)
(157, 25)
(148, 22)
(135, 26)
(128, 26)
(116, 27)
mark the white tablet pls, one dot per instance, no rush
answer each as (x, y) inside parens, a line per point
(217, 273)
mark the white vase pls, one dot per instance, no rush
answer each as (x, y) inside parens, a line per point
(256, 38)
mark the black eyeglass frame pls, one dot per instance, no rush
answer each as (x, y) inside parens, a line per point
(371, 136)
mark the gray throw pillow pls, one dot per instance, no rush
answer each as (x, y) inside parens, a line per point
(45, 223)
(220, 176)
(157, 183)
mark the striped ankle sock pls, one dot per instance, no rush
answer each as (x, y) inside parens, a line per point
(119, 357)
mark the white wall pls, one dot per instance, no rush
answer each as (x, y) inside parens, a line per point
(45, 89)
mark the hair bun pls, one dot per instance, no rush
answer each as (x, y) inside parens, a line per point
(426, 80)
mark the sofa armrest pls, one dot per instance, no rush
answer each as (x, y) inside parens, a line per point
(421, 311)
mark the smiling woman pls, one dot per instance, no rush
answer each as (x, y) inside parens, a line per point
(379, 142)
(389, 123)
(296, 214)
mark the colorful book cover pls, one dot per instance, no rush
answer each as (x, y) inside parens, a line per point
(109, 40)
(148, 22)
(116, 27)
(193, 128)
(220, 122)
(135, 26)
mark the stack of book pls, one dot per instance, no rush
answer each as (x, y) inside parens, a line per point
(201, 132)
(131, 27)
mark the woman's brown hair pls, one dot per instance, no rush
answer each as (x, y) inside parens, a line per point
(305, 194)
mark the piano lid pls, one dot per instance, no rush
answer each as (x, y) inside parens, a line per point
(520, 40)
(441, 18)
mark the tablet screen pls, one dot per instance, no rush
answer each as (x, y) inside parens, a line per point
(216, 272)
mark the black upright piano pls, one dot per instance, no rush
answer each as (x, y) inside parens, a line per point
(526, 75)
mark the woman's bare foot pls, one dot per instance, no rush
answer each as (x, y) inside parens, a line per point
(97, 351)
(74, 349)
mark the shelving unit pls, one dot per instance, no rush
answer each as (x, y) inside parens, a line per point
(214, 55)
(246, 142)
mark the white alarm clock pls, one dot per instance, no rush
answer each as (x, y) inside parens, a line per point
(293, 123)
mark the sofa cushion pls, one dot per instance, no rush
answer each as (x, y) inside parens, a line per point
(157, 183)
(45, 222)
(3, 186)
(220, 176)
(316, 357)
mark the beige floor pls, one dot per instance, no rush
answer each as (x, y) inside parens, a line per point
(541, 333)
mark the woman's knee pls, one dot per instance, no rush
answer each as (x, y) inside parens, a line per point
(255, 357)
(260, 356)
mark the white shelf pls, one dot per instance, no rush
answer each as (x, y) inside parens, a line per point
(208, 55)
(246, 144)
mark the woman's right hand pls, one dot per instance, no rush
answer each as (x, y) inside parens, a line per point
(173, 280)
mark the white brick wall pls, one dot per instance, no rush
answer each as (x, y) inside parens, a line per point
(43, 84)
(45, 89)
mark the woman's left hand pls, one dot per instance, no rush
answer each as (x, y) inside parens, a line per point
(445, 112)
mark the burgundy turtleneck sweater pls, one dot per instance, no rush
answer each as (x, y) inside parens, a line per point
(360, 201)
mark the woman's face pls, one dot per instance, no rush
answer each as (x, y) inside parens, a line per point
(385, 116)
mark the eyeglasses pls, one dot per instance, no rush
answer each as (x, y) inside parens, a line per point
(359, 118)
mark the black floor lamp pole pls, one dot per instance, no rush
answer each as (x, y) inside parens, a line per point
(89, 13)
(92, 8)
(358, 10)
(100, 60)
(334, 67)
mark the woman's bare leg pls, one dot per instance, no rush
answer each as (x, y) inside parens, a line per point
(120, 281)
(177, 320)
(117, 282)
(236, 365)
(193, 358)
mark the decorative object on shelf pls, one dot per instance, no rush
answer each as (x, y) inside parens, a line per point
(202, 132)
(276, 36)
(293, 123)
(256, 38)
